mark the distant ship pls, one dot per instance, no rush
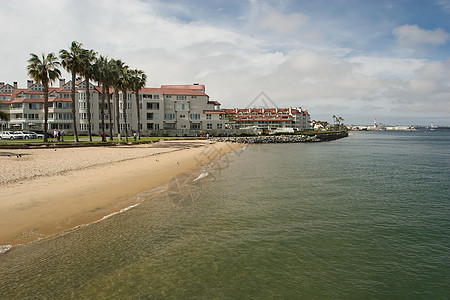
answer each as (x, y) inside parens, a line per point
(434, 127)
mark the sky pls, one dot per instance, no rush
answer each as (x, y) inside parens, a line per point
(358, 59)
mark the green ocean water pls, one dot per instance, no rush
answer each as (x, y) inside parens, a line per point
(364, 217)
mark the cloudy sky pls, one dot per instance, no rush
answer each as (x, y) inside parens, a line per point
(358, 59)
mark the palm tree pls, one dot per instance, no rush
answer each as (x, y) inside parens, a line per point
(72, 61)
(88, 58)
(100, 75)
(341, 121)
(44, 71)
(125, 84)
(137, 82)
(117, 69)
(110, 76)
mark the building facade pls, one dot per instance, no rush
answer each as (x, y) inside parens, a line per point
(270, 118)
(177, 107)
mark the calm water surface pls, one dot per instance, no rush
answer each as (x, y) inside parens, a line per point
(365, 217)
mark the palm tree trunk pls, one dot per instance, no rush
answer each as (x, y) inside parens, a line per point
(108, 100)
(124, 111)
(88, 103)
(138, 114)
(45, 112)
(116, 98)
(102, 110)
(74, 109)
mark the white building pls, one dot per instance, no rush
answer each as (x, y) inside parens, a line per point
(177, 107)
(270, 118)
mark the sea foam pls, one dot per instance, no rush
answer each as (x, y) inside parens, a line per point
(203, 175)
(118, 212)
(5, 248)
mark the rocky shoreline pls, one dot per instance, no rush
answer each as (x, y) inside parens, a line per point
(321, 137)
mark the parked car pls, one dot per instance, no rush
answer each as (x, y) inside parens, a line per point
(39, 135)
(11, 135)
(28, 134)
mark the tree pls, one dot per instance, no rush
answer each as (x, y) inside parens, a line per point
(72, 61)
(137, 81)
(3, 116)
(334, 120)
(341, 121)
(44, 71)
(117, 69)
(124, 86)
(100, 75)
(88, 58)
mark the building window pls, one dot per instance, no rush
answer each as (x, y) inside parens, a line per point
(169, 116)
(208, 116)
(34, 106)
(167, 96)
(169, 125)
(209, 126)
(219, 126)
(152, 106)
(63, 105)
(193, 97)
(182, 116)
(194, 116)
(195, 125)
(181, 97)
(181, 106)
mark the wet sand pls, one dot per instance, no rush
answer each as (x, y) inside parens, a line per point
(44, 192)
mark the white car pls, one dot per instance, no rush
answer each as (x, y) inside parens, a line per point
(38, 135)
(11, 135)
(28, 134)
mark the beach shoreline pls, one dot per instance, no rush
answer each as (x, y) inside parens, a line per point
(46, 192)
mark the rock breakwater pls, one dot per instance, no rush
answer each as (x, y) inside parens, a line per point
(283, 138)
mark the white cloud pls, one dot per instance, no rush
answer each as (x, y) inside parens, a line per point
(445, 4)
(386, 67)
(281, 23)
(413, 36)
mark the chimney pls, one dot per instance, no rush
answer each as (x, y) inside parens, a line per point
(15, 84)
(62, 82)
(29, 83)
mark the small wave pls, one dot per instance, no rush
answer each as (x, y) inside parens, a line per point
(5, 248)
(203, 175)
(118, 212)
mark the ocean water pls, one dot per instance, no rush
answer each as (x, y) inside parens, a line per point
(364, 217)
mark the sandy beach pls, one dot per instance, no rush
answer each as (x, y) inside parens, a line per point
(47, 191)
